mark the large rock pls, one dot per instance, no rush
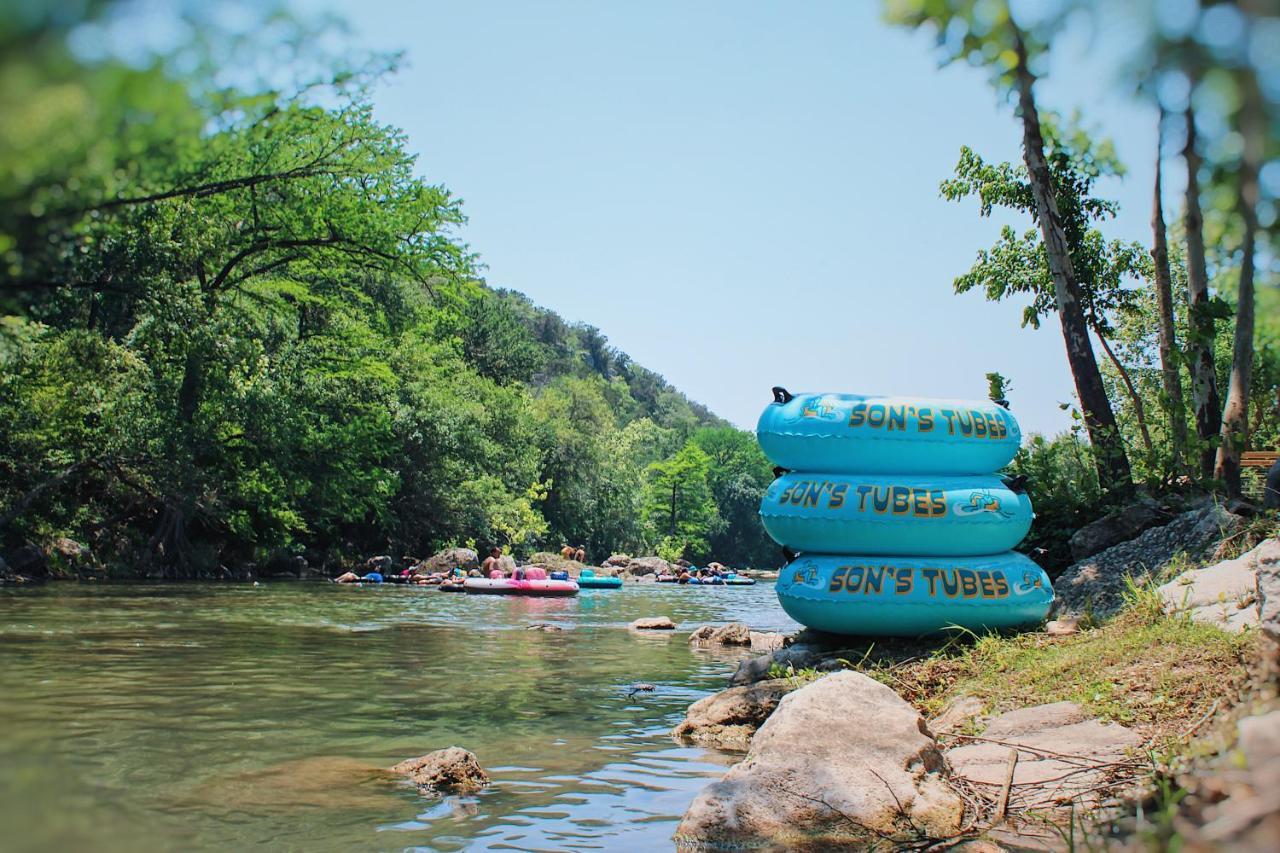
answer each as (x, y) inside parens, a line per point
(451, 558)
(1248, 819)
(1224, 594)
(1267, 570)
(1060, 750)
(840, 764)
(638, 566)
(29, 563)
(1097, 584)
(1115, 527)
(451, 770)
(729, 718)
(733, 634)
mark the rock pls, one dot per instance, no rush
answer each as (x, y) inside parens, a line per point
(545, 626)
(1223, 594)
(956, 716)
(1097, 584)
(1248, 819)
(1267, 570)
(638, 566)
(1064, 627)
(284, 565)
(729, 718)
(768, 642)
(653, 623)
(507, 563)
(1042, 781)
(381, 563)
(1271, 487)
(1115, 527)
(29, 563)
(839, 764)
(450, 558)
(451, 770)
(798, 656)
(616, 560)
(647, 579)
(733, 634)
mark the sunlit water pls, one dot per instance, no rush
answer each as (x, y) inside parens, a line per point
(190, 717)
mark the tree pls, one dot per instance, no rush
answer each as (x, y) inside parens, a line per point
(1235, 417)
(1203, 310)
(680, 504)
(1162, 279)
(988, 34)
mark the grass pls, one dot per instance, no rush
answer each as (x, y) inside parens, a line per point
(1155, 673)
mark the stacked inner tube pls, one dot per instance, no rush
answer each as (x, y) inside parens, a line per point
(892, 517)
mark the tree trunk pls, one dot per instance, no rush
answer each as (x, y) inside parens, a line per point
(1138, 408)
(1170, 376)
(1204, 379)
(1235, 416)
(1109, 455)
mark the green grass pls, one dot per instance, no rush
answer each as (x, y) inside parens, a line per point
(1152, 672)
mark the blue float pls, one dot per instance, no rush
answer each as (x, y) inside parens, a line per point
(895, 514)
(874, 434)
(911, 596)
(588, 579)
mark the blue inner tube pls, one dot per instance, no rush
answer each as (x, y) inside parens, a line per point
(874, 434)
(904, 515)
(908, 597)
(587, 581)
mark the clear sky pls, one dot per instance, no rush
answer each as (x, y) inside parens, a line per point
(742, 194)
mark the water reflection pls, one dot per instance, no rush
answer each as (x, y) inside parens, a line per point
(201, 717)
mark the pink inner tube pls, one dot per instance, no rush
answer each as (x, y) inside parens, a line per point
(506, 586)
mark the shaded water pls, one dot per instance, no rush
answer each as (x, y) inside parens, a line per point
(215, 717)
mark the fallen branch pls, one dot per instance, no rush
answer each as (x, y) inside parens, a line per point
(1002, 804)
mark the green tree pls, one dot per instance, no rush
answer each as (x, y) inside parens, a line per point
(680, 503)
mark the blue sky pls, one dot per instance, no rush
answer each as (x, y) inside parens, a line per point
(740, 194)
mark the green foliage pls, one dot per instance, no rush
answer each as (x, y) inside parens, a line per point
(1062, 483)
(238, 321)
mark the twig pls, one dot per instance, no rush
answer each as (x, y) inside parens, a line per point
(1200, 722)
(1080, 759)
(1003, 803)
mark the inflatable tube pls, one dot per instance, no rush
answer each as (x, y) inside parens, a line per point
(910, 596)
(506, 586)
(871, 434)
(599, 582)
(906, 515)
(736, 580)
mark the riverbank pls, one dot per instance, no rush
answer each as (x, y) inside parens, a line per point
(1095, 727)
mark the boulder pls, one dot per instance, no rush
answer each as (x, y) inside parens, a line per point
(545, 627)
(1248, 818)
(381, 563)
(1058, 762)
(840, 764)
(653, 623)
(1097, 584)
(733, 634)
(451, 770)
(729, 718)
(616, 560)
(1115, 527)
(1224, 594)
(1267, 570)
(450, 558)
(1064, 627)
(797, 656)
(29, 563)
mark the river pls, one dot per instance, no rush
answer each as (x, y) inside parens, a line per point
(214, 717)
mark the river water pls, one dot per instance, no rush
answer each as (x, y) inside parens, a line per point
(214, 717)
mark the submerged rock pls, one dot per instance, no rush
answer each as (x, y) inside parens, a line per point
(653, 623)
(729, 718)
(450, 770)
(1097, 584)
(1224, 594)
(839, 764)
